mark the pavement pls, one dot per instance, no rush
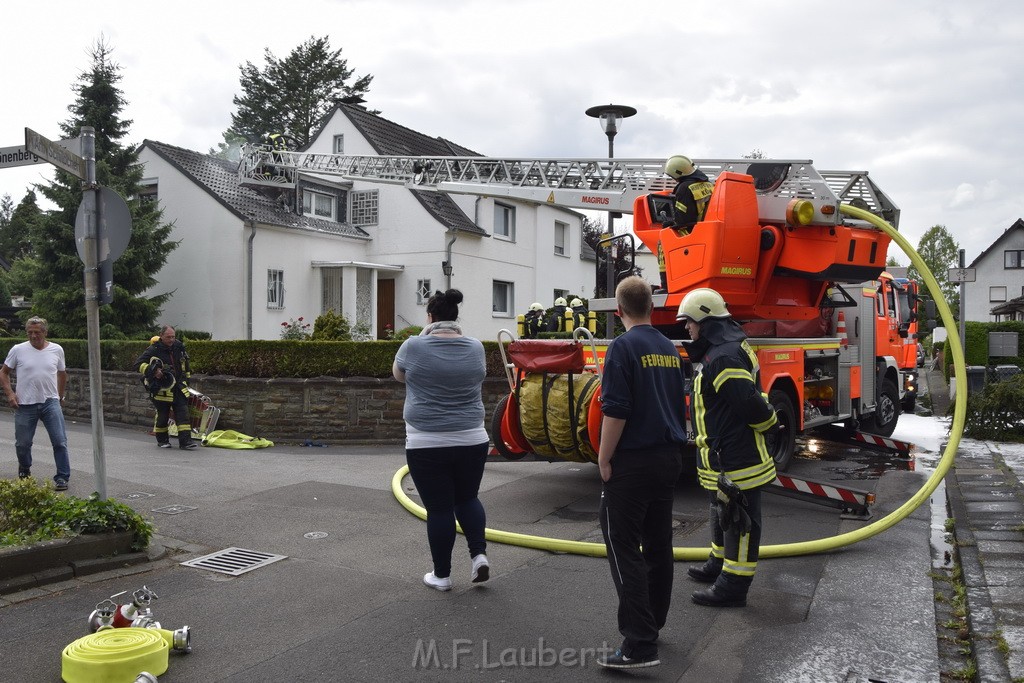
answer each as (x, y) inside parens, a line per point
(986, 502)
(347, 602)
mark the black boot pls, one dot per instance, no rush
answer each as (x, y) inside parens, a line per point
(726, 591)
(707, 572)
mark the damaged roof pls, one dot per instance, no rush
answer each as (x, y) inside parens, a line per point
(219, 177)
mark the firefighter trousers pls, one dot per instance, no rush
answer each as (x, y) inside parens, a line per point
(636, 521)
(737, 550)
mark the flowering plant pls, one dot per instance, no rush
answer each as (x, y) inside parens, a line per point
(389, 331)
(295, 328)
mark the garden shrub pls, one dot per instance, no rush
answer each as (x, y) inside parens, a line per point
(997, 413)
(331, 326)
(31, 511)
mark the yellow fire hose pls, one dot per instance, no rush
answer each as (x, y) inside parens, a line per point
(803, 547)
(116, 655)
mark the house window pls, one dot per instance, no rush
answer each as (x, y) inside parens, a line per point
(502, 299)
(364, 207)
(505, 222)
(997, 293)
(561, 238)
(563, 293)
(148, 194)
(317, 204)
(1013, 258)
(339, 144)
(275, 289)
(423, 292)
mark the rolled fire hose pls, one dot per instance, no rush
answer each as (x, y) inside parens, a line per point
(116, 655)
(802, 547)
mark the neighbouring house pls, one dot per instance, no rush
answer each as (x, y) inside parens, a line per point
(250, 259)
(998, 291)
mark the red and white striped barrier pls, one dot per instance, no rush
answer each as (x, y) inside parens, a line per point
(901, 447)
(849, 500)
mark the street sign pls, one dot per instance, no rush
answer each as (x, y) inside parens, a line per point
(113, 232)
(54, 153)
(20, 156)
(962, 275)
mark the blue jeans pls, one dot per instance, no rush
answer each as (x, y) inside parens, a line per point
(26, 417)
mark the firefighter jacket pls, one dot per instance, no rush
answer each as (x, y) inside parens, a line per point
(729, 411)
(174, 359)
(533, 323)
(692, 194)
(556, 323)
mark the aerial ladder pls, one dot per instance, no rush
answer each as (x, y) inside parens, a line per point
(772, 242)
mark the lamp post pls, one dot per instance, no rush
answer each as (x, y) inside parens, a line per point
(610, 117)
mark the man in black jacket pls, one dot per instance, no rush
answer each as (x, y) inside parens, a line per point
(165, 370)
(731, 416)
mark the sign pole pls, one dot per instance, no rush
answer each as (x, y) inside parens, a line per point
(90, 206)
(963, 304)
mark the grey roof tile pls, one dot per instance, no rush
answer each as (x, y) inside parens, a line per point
(219, 178)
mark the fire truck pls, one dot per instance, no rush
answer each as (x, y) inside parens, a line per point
(807, 279)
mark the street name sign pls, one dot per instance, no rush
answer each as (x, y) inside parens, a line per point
(20, 156)
(54, 153)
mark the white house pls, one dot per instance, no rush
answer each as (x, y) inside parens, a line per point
(998, 292)
(250, 259)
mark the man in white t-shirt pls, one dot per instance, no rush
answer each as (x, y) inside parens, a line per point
(39, 367)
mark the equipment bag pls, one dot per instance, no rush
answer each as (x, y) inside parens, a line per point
(229, 438)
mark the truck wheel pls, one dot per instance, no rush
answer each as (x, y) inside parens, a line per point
(782, 443)
(887, 411)
(499, 442)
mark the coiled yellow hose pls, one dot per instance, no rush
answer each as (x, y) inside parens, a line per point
(115, 655)
(803, 547)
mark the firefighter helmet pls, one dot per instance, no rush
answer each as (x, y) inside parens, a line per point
(702, 303)
(560, 301)
(536, 306)
(677, 166)
(575, 302)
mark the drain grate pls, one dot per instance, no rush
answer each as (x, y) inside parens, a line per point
(234, 561)
(174, 509)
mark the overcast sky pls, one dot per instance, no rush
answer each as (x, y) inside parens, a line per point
(926, 95)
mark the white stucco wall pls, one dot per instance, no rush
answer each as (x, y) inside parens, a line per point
(990, 271)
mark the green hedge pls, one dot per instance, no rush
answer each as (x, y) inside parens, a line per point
(976, 344)
(261, 358)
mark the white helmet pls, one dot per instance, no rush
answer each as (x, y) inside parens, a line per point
(536, 306)
(560, 301)
(702, 303)
(677, 166)
(575, 302)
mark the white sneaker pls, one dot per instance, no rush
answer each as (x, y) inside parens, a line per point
(444, 584)
(481, 568)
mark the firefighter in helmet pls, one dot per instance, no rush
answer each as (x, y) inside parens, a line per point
(579, 313)
(533, 321)
(556, 323)
(690, 196)
(732, 417)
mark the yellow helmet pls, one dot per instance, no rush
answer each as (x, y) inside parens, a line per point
(560, 301)
(702, 303)
(536, 306)
(677, 166)
(575, 302)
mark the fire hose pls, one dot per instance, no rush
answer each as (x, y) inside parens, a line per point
(801, 547)
(115, 654)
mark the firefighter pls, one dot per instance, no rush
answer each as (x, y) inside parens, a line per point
(556, 321)
(579, 313)
(691, 194)
(731, 417)
(165, 369)
(533, 321)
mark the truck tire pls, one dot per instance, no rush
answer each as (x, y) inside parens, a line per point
(499, 442)
(887, 411)
(782, 443)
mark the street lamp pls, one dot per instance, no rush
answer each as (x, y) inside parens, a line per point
(610, 117)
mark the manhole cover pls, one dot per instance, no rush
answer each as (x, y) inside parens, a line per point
(139, 494)
(174, 509)
(315, 534)
(234, 561)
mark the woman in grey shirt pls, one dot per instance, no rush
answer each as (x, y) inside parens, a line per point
(445, 442)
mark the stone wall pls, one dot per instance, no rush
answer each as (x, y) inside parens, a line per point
(354, 410)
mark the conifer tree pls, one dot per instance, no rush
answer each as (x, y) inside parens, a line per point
(57, 275)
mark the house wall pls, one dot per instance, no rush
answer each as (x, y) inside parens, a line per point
(990, 271)
(205, 273)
